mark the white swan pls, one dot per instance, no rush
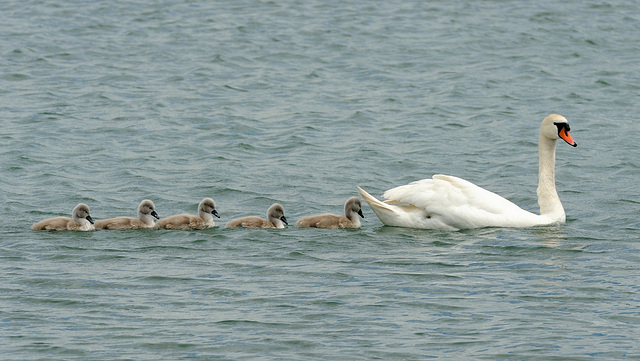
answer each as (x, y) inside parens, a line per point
(275, 219)
(81, 221)
(352, 212)
(450, 203)
(185, 222)
(146, 210)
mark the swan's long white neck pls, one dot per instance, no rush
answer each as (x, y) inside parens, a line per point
(550, 205)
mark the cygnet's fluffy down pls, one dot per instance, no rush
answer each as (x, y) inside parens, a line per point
(351, 218)
(184, 222)
(81, 221)
(146, 210)
(275, 219)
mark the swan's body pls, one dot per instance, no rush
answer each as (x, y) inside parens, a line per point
(146, 210)
(451, 203)
(184, 222)
(81, 221)
(275, 219)
(351, 219)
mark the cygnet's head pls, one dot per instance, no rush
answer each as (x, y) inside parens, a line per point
(208, 206)
(276, 211)
(353, 204)
(147, 207)
(82, 212)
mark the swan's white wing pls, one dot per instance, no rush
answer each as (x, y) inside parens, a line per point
(404, 215)
(459, 203)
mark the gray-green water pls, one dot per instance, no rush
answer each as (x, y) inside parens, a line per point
(254, 102)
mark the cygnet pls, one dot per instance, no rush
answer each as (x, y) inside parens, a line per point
(146, 210)
(81, 221)
(352, 212)
(184, 222)
(275, 219)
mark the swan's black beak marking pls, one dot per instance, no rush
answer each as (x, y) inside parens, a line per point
(563, 132)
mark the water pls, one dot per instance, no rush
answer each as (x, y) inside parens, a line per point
(254, 102)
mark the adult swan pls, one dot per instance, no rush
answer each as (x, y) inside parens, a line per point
(451, 203)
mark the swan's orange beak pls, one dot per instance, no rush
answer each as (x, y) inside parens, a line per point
(564, 134)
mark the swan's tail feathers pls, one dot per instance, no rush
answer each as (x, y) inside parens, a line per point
(373, 202)
(381, 209)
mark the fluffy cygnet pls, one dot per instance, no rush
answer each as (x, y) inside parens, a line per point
(352, 212)
(184, 222)
(146, 210)
(275, 219)
(81, 221)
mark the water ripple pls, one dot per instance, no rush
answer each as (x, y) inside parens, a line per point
(255, 102)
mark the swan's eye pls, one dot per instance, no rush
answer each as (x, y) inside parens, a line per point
(561, 126)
